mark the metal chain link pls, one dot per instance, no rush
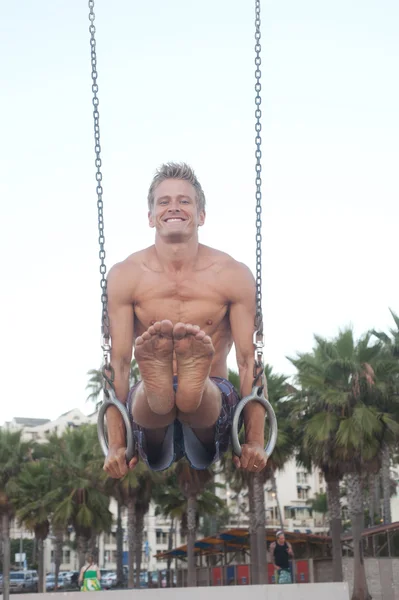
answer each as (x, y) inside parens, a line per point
(258, 369)
(106, 347)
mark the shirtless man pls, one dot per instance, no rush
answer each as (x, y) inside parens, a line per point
(181, 305)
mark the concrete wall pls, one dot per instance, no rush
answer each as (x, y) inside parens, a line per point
(382, 575)
(329, 591)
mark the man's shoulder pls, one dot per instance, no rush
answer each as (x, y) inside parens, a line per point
(226, 262)
(133, 262)
(126, 273)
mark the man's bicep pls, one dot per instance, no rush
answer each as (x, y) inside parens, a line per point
(121, 316)
(242, 316)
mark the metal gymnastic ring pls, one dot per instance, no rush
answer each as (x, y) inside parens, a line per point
(112, 400)
(255, 396)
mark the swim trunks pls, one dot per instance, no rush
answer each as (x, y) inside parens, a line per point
(180, 440)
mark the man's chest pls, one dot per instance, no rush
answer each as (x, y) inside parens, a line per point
(196, 299)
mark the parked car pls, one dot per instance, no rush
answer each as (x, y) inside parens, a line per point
(22, 581)
(71, 579)
(108, 580)
(50, 582)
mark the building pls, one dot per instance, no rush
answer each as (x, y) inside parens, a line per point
(295, 487)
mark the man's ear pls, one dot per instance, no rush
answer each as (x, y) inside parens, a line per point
(201, 218)
(151, 221)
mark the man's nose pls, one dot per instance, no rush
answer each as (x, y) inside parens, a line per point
(174, 208)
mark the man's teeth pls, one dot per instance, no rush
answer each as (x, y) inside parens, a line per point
(178, 220)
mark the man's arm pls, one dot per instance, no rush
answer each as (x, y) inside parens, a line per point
(242, 319)
(121, 318)
(290, 550)
(271, 554)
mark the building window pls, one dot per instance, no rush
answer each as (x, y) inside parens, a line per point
(321, 478)
(66, 557)
(301, 477)
(161, 537)
(303, 494)
(110, 538)
(289, 512)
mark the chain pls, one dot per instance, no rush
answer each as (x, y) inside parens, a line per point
(106, 347)
(258, 339)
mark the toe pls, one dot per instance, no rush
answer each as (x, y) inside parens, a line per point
(200, 335)
(193, 329)
(179, 331)
(166, 328)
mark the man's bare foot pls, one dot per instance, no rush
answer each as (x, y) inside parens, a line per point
(154, 355)
(194, 352)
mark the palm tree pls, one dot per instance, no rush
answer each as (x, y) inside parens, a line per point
(79, 494)
(136, 489)
(343, 430)
(96, 382)
(391, 347)
(278, 393)
(191, 483)
(319, 505)
(33, 482)
(170, 502)
(114, 488)
(44, 452)
(13, 452)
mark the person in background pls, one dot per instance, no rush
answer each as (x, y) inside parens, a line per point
(90, 576)
(280, 553)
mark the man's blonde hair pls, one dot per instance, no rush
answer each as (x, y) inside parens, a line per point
(176, 171)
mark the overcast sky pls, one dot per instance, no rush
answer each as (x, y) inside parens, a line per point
(176, 82)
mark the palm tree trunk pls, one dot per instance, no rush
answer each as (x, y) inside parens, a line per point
(40, 570)
(93, 547)
(131, 526)
(58, 545)
(371, 498)
(191, 532)
(260, 512)
(119, 547)
(275, 491)
(378, 496)
(5, 527)
(81, 548)
(355, 503)
(386, 483)
(138, 535)
(252, 533)
(334, 511)
(260, 571)
(170, 548)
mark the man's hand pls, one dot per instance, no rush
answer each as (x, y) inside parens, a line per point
(115, 463)
(253, 458)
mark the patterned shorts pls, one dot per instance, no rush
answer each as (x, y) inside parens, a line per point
(180, 440)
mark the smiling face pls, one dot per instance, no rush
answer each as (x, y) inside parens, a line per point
(175, 213)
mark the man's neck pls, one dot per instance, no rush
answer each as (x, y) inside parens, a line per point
(177, 257)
